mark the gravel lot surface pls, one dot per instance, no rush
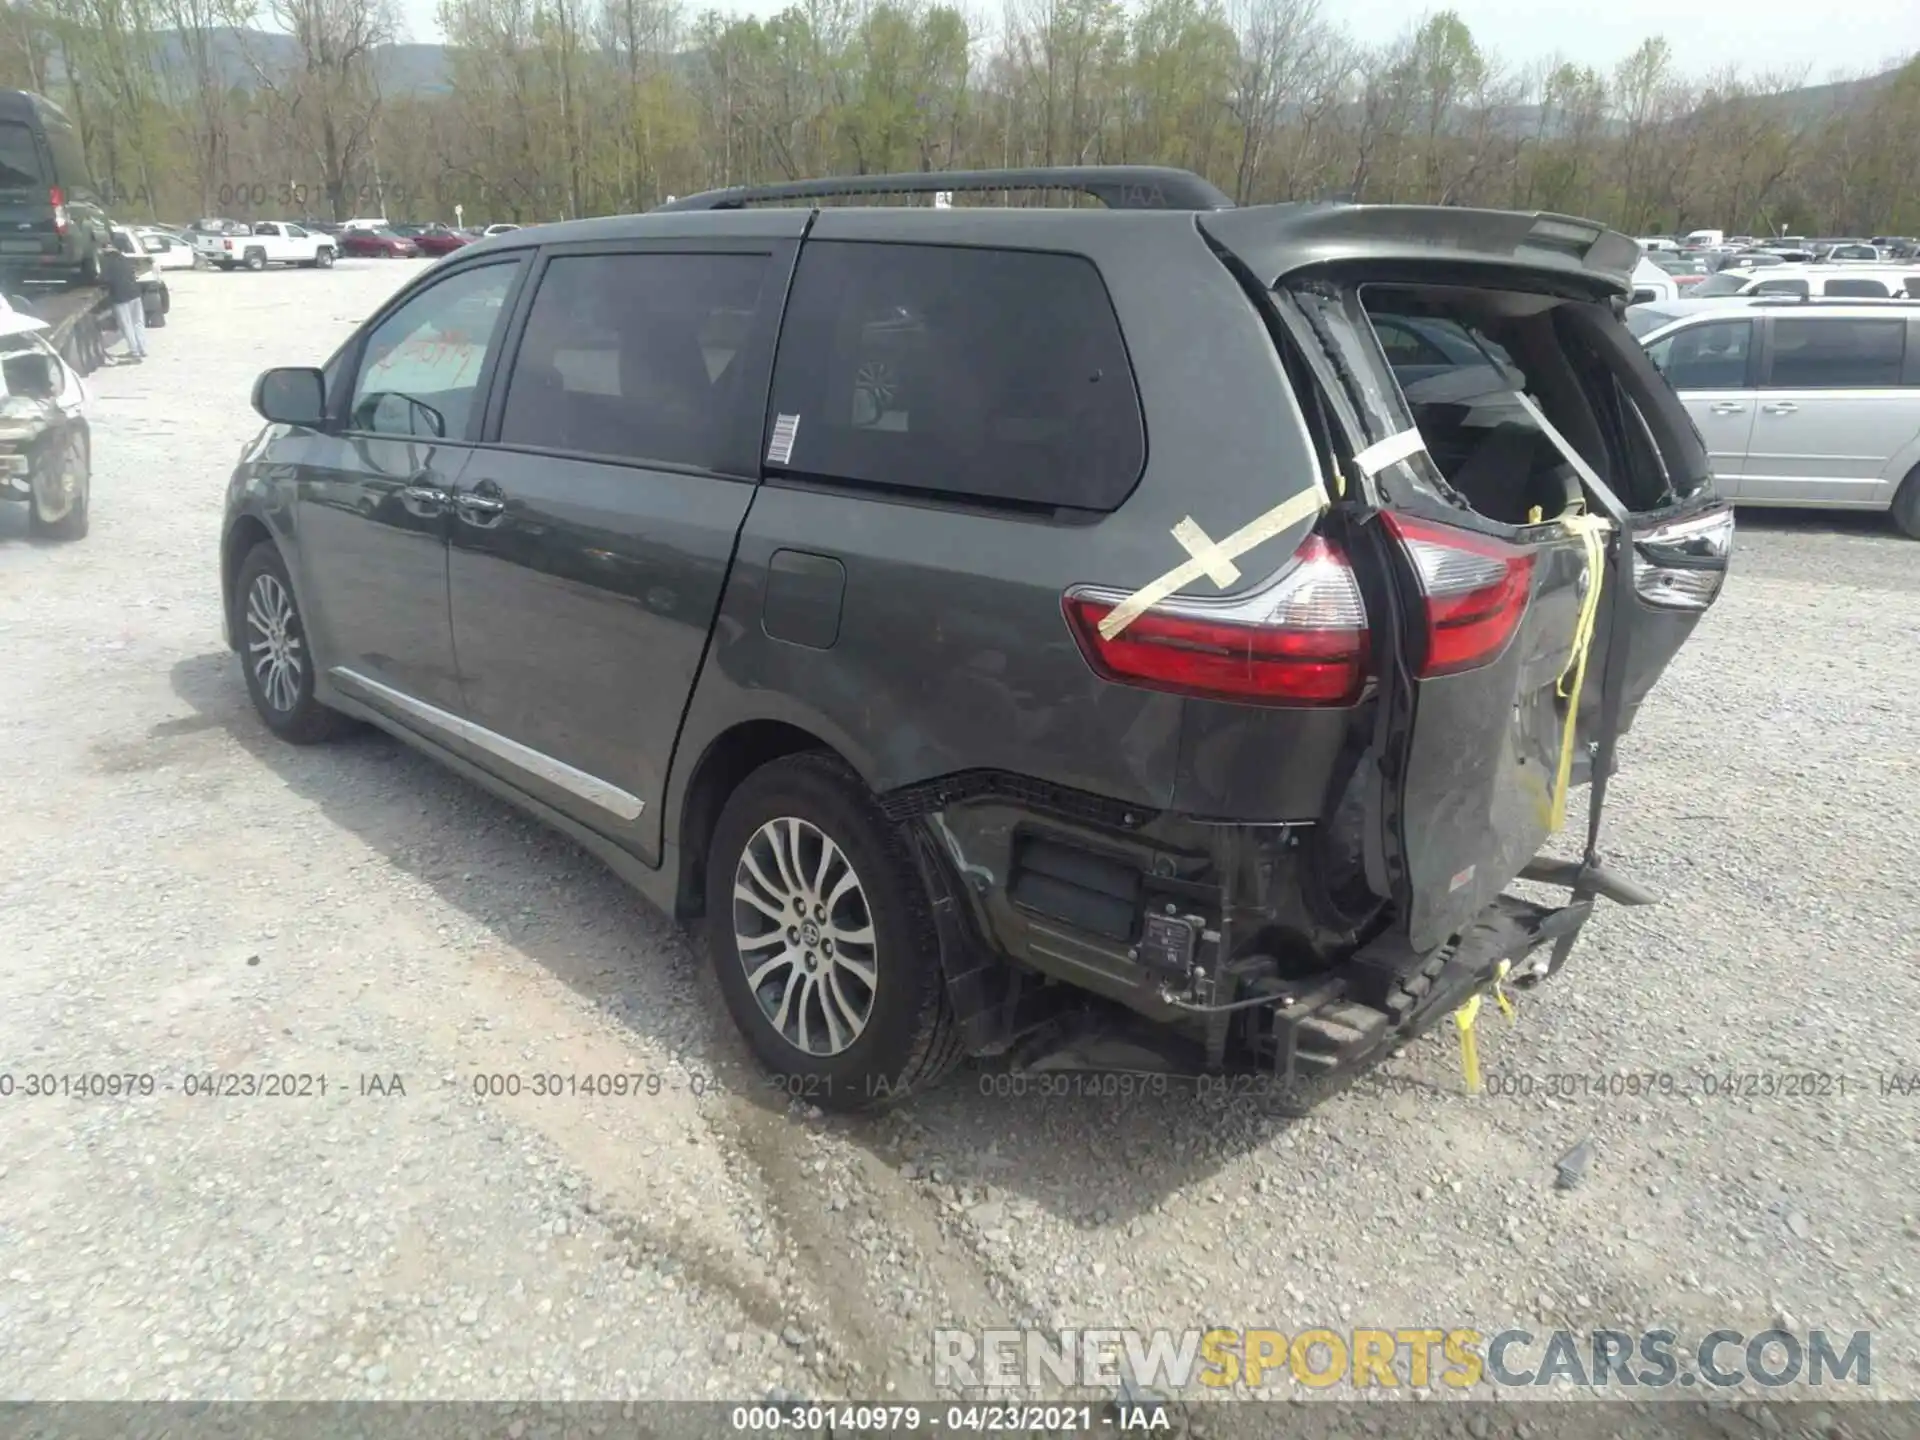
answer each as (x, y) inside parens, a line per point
(187, 896)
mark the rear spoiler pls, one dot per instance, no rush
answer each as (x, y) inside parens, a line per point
(1275, 240)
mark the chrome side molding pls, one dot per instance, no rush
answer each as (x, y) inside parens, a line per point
(590, 788)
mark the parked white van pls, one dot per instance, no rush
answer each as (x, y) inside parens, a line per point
(1851, 281)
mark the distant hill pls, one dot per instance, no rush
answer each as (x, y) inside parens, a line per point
(403, 69)
(422, 69)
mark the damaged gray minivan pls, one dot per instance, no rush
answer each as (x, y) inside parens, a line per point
(1149, 637)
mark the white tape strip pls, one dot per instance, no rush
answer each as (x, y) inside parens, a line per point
(1220, 569)
(1377, 456)
(1573, 457)
(1217, 559)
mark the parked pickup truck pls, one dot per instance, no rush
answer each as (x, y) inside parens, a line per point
(273, 242)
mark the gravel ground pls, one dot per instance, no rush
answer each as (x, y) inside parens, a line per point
(188, 896)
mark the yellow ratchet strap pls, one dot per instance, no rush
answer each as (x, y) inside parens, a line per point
(1591, 531)
(1467, 1019)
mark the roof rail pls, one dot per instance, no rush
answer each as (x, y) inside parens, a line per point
(1118, 187)
(1830, 299)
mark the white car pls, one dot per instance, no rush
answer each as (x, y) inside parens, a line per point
(46, 448)
(271, 242)
(1853, 281)
(1652, 284)
(497, 230)
(168, 252)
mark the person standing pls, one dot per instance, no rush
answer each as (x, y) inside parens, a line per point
(123, 293)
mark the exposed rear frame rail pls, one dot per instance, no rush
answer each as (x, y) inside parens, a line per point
(1118, 187)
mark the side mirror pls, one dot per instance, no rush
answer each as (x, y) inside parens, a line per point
(291, 395)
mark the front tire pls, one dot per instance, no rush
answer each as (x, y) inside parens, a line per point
(323, 259)
(62, 483)
(822, 939)
(275, 657)
(1906, 505)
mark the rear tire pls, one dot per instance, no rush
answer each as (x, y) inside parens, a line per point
(1906, 505)
(256, 260)
(275, 658)
(812, 891)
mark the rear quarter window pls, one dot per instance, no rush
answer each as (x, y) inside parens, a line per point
(20, 164)
(990, 375)
(1873, 289)
(1836, 353)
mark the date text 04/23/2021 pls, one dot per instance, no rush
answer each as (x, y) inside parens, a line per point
(961, 1419)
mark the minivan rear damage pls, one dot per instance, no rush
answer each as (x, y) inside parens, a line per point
(1519, 533)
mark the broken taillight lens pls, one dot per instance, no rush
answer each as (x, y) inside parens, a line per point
(1298, 640)
(1682, 565)
(1473, 591)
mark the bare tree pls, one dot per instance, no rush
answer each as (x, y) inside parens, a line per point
(327, 94)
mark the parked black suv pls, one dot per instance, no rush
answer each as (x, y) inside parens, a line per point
(53, 224)
(1141, 636)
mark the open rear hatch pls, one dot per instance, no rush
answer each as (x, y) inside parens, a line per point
(1539, 514)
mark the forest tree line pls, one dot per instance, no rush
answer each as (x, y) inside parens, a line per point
(561, 108)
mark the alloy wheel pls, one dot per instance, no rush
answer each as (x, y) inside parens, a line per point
(804, 931)
(57, 486)
(274, 647)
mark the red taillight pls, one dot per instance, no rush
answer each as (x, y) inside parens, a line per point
(226, 244)
(1474, 590)
(1301, 639)
(57, 198)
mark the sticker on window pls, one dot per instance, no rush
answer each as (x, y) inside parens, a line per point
(780, 450)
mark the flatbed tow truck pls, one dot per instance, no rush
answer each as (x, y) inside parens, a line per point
(51, 336)
(79, 319)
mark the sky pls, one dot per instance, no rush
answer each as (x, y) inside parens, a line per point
(1797, 37)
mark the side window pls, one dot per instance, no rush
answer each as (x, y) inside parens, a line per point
(421, 365)
(632, 356)
(996, 375)
(1779, 287)
(1404, 347)
(295, 232)
(1834, 353)
(1711, 356)
(20, 164)
(1876, 289)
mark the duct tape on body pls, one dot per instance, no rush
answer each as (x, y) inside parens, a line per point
(1214, 559)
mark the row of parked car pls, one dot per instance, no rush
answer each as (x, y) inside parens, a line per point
(1804, 398)
(257, 244)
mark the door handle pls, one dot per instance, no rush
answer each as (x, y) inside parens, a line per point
(482, 510)
(424, 500)
(1780, 407)
(1727, 407)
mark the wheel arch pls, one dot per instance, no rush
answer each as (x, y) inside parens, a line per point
(729, 758)
(246, 532)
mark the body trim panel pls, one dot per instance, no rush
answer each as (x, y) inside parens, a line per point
(590, 788)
